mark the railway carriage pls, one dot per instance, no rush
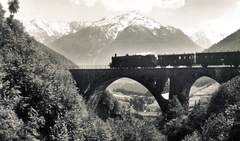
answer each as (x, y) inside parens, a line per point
(176, 60)
(218, 58)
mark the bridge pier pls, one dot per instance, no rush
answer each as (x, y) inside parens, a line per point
(177, 88)
(156, 86)
(157, 93)
(180, 84)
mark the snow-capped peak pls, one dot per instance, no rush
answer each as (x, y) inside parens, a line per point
(211, 35)
(47, 31)
(113, 26)
(50, 27)
(205, 38)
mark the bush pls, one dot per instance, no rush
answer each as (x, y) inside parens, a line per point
(198, 115)
(228, 94)
(10, 124)
(131, 129)
(233, 117)
(195, 136)
(216, 128)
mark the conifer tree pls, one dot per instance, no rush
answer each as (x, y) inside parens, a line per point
(13, 6)
(2, 12)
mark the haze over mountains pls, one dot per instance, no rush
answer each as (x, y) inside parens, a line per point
(93, 43)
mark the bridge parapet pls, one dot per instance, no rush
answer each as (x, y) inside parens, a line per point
(94, 67)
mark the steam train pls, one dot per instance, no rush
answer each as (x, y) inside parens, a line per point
(203, 59)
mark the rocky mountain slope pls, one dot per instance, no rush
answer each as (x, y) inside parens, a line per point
(82, 47)
(230, 43)
(129, 33)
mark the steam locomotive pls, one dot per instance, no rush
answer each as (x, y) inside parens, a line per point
(203, 59)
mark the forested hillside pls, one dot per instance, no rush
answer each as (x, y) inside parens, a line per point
(38, 99)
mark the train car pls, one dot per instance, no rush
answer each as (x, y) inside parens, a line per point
(176, 60)
(218, 58)
(133, 61)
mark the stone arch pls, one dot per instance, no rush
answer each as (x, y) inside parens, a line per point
(99, 90)
(201, 87)
(181, 84)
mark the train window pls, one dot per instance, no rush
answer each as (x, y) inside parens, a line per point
(211, 56)
(184, 57)
(205, 56)
(190, 57)
(179, 57)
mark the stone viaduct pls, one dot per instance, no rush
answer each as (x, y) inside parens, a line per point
(93, 82)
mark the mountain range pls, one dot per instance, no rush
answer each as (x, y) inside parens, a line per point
(129, 33)
(48, 31)
(93, 43)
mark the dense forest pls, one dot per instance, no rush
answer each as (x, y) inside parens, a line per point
(39, 101)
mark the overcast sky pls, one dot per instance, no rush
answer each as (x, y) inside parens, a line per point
(217, 15)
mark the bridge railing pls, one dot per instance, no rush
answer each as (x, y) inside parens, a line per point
(94, 67)
(168, 67)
